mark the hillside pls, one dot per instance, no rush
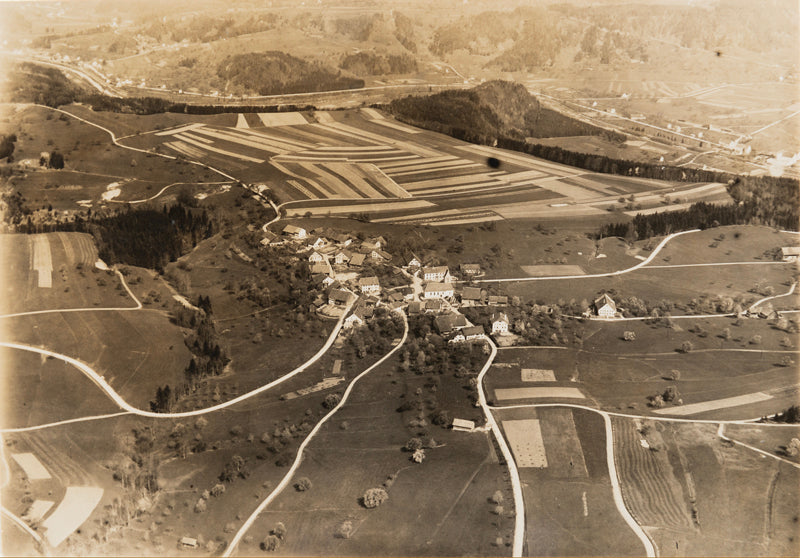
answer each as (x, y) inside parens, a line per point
(492, 109)
(275, 73)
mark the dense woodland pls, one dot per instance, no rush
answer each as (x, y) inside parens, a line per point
(277, 73)
(761, 200)
(488, 112)
(143, 237)
(373, 64)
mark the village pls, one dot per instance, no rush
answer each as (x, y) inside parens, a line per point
(355, 276)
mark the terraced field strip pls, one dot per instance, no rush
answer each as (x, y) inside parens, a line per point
(359, 208)
(78, 504)
(180, 129)
(42, 261)
(297, 134)
(354, 149)
(305, 184)
(323, 117)
(397, 126)
(218, 150)
(562, 444)
(504, 394)
(525, 438)
(556, 185)
(372, 114)
(388, 185)
(401, 166)
(198, 138)
(260, 144)
(528, 161)
(694, 408)
(463, 217)
(429, 216)
(184, 149)
(433, 184)
(241, 121)
(38, 510)
(337, 187)
(282, 118)
(425, 168)
(354, 174)
(31, 465)
(272, 138)
(381, 140)
(651, 490)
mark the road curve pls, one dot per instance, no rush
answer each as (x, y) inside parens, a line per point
(299, 458)
(24, 527)
(103, 385)
(516, 485)
(765, 299)
(93, 309)
(616, 490)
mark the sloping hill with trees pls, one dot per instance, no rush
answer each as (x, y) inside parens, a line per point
(278, 73)
(493, 109)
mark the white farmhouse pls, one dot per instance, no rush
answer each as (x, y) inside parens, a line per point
(295, 232)
(499, 324)
(369, 285)
(438, 290)
(605, 307)
(439, 274)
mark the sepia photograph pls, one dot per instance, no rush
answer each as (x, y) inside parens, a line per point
(400, 278)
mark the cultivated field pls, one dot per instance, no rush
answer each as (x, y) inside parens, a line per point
(697, 495)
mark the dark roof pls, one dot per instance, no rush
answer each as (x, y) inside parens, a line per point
(339, 295)
(414, 307)
(448, 322)
(471, 293)
(473, 330)
(357, 259)
(368, 281)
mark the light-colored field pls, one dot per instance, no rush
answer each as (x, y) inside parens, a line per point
(282, 118)
(74, 509)
(525, 438)
(504, 394)
(358, 208)
(537, 375)
(42, 261)
(716, 404)
(38, 510)
(241, 121)
(180, 129)
(552, 270)
(33, 468)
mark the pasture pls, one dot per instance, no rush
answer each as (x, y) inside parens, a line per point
(55, 271)
(624, 382)
(437, 507)
(774, 440)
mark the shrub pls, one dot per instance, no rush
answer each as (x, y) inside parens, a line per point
(279, 530)
(755, 340)
(413, 444)
(497, 497)
(200, 506)
(218, 489)
(331, 400)
(344, 530)
(201, 423)
(270, 544)
(629, 336)
(303, 484)
(374, 497)
(419, 456)
(686, 346)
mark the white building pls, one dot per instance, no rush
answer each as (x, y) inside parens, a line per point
(438, 290)
(369, 285)
(605, 307)
(440, 274)
(499, 324)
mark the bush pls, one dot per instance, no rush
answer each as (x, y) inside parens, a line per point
(218, 489)
(686, 346)
(303, 484)
(331, 400)
(419, 456)
(629, 336)
(279, 530)
(200, 506)
(270, 544)
(413, 444)
(374, 497)
(344, 530)
(755, 340)
(497, 497)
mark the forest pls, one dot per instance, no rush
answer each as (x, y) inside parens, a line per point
(278, 73)
(495, 110)
(142, 237)
(761, 200)
(372, 64)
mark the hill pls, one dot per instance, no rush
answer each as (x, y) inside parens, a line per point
(493, 109)
(276, 73)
